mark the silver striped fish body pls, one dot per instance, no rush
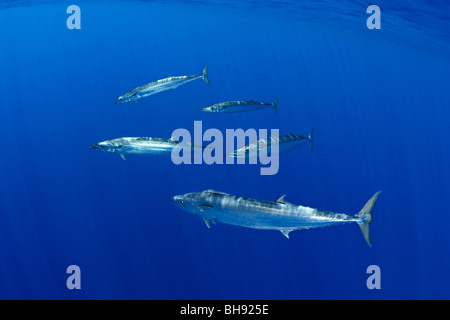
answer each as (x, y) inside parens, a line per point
(264, 146)
(216, 206)
(240, 106)
(160, 86)
(141, 146)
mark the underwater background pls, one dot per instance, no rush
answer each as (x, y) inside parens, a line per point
(378, 100)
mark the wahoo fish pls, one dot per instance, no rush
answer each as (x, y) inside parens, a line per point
(241, 106)
(142, 146)
(159, 86)
(215, 206)
(285, 143)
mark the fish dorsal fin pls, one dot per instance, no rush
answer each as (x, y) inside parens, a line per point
(281, 200)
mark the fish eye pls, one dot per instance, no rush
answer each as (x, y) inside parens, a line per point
(181, 201)
(246, 150)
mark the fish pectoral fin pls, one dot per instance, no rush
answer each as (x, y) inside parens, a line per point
(204, 207)
(124, 157)
(285, 232)
(207, 222)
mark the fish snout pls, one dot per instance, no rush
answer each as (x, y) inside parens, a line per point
(240, 153)
(119, 100)
(178, 200)
(98, 146)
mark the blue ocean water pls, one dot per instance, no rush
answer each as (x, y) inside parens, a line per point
(378, 99)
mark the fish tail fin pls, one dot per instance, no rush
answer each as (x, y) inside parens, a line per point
(310, 137)
(274, 105)
(205, 75)
(365, 217)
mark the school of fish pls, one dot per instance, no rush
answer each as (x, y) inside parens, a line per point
(215, 206)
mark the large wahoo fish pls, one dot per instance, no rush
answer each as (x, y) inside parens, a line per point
(159, 86)
(285, 143)
(269, 215)
(241, 106)
(142, 146)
